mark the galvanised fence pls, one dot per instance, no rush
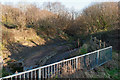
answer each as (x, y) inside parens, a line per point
(87, 61)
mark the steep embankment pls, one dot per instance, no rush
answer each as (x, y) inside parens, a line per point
(26, 46)
(18, 42)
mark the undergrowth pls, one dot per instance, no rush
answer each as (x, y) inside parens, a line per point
(113, 73)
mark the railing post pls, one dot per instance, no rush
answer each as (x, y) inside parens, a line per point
(46, 72)
(35, 74)
(111, 53)
(54, 69)
(31, 75)
(77, 63)
(40, 74)
(97, 60)
(28, 75)
(19, 77)
(24, 76)
(84, 57)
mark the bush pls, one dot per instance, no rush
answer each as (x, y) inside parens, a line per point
(5, 73)
(83, 49)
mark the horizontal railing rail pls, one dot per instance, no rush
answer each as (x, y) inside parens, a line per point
(87, 61)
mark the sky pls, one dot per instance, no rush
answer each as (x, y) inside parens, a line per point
(75, 4)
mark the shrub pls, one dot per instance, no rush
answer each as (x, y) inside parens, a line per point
(83, 49)
(5, 73)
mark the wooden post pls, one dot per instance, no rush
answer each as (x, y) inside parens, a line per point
(78, 43)
(104, 44)
(91, 40)
(100, 43)
(95, 40)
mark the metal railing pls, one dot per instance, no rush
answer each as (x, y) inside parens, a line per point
(87, 61)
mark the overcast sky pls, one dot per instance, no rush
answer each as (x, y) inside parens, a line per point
(76, 4)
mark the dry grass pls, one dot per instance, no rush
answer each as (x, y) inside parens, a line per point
(66, 70)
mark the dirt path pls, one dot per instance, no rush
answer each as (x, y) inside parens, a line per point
(60, 56)
(33, 58)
